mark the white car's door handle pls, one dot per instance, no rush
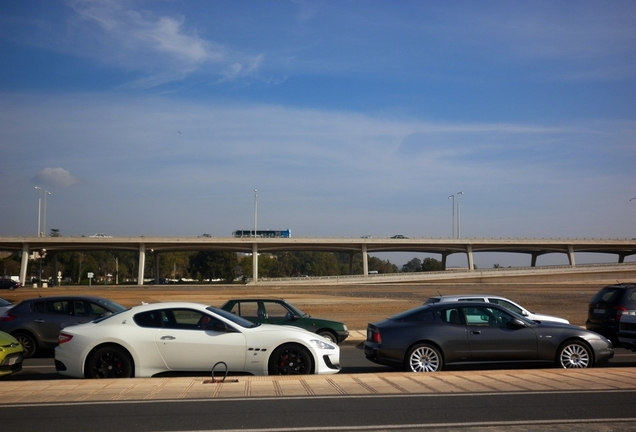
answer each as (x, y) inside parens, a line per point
(168, 337)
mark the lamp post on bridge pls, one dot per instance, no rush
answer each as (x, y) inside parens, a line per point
(39, 208)
(632, 199)
(42, 211)
(452, 197)
(459, 221)
(255, 211)
(44, 214)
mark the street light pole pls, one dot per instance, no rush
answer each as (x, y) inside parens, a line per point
(459, 221)
(39, 208)
(255, 210)
(44, 214)
(452, 197)
(632, 199)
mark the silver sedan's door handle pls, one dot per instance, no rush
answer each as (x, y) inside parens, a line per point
(168, 338)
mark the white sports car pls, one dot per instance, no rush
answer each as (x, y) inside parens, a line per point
(153, 338)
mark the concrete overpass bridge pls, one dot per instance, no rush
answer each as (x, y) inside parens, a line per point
(534, 248)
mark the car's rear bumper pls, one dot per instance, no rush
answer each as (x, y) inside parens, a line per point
(627, 337)
(342, 335)
(373, 353)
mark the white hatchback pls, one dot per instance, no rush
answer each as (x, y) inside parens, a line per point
(508, 304)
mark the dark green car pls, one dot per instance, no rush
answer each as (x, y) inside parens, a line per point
(278, 311)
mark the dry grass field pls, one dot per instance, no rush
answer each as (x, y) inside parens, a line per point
(355, 305)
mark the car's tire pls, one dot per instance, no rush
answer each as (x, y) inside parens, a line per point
(574, 355)
(328, 335)
(291, 359)
(28, 342)
(110, 361)
(423, 358)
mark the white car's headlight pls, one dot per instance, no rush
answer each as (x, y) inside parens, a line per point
(322, 344)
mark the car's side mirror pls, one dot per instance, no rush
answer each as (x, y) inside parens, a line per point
(515, 323)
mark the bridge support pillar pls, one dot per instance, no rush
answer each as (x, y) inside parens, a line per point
(25, 263)
(142, 264)
(571, 256)
(621, 258)
(471, 261)
(365, 261)
(533, 261)
(255, 262)
(444, 256)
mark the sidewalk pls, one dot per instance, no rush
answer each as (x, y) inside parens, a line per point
(388, 383)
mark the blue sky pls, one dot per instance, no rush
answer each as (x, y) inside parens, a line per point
(351, 118)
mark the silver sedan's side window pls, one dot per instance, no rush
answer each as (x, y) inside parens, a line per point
(506, 304)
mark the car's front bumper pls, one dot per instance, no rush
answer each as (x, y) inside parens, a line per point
(328, 364)
(12, 363)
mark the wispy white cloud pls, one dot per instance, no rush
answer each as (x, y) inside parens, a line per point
(163, 47)
(55, 177)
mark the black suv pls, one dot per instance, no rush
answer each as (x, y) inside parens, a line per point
(608, 306)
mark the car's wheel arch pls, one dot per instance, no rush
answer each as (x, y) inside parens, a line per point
(106, 345)
(427, 342)
(330, 331)
(311, 352)
(574, 339)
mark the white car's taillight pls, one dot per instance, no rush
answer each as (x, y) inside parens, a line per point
(63, 338)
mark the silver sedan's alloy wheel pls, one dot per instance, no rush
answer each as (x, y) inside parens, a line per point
(424, 358)
(574, 355)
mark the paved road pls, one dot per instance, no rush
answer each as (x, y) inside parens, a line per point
(485, 400)
(492, 411)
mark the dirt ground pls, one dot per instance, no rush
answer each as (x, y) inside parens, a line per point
(355, 305)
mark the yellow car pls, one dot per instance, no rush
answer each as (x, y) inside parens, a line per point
(10, 355)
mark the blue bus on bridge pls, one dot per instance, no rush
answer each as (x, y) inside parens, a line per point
(286, 233)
